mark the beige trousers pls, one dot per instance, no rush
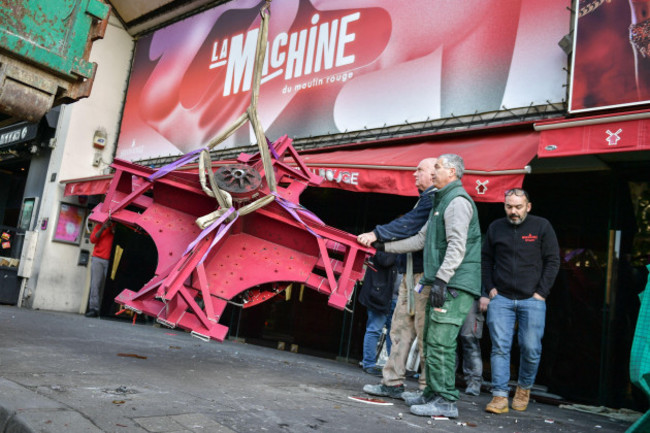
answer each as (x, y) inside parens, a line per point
(404, 329)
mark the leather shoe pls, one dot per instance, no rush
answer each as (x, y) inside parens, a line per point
(92, 313)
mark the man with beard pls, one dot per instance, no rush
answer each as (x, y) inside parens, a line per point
(520, 260)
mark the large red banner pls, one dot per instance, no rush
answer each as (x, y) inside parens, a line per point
(611, 63)
(339, 65)
(604, 137)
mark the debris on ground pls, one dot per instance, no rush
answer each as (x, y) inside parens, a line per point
(370, 400)
(620, 414)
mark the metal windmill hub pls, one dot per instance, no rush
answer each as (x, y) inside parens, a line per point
(240, 180)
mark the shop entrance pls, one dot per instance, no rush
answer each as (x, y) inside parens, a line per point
(13, 177)
(133, 262)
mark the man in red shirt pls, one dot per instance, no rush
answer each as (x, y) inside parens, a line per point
(102, 236)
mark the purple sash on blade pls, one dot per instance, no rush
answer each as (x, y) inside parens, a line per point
(272, 149)
(293, 210)
(220, 232)
(185, 159)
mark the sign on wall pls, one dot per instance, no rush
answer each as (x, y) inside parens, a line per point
(611, 63)
(339, 65)
(69, 223)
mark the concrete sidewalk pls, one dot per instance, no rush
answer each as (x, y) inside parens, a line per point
(67, 373)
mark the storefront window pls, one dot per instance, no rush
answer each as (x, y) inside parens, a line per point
(10, 245)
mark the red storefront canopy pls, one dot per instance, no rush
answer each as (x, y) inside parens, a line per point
(593, 135)
(493, 164)
(87, 185)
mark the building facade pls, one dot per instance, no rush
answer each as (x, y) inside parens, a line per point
(367, 92)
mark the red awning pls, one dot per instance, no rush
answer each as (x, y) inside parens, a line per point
(87, 185)
(594, 135)
(493, 164)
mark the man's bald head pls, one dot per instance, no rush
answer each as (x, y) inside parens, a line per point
(424, 173)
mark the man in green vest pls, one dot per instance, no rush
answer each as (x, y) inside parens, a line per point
(451, 240)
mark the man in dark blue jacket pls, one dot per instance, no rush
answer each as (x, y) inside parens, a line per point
(520, 260)
(408, 317)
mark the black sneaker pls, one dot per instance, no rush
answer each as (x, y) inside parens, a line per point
(374, 370)
(92, 313)
(385, 390)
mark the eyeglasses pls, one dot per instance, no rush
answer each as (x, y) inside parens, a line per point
(518, 192)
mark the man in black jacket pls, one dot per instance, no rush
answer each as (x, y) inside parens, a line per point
(520, 260)
(377, 295)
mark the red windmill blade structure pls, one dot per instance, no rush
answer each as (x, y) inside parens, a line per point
(244, 259)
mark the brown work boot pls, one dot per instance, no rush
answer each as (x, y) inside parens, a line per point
(520, 400)
(497, 405)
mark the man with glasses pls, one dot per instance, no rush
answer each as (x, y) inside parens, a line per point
(520, 260)
(452, 269)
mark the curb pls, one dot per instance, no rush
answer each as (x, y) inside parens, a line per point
(25, 411)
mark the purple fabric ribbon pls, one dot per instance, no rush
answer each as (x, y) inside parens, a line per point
(222, 230)
(185, 159)
(293, 210)
(272, 149)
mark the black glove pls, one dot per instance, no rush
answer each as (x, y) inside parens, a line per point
(438, 293)
(378, 245)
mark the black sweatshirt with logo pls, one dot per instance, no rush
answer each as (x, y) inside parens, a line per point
(520, 260)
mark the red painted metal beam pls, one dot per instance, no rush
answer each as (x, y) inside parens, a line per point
(258, 256)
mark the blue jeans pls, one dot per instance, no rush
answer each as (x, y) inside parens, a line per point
(374, 326)
(530, 314)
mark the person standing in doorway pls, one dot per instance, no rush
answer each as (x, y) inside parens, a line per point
(102, 237)
(520, 260)
(377, 296)
(470, 346)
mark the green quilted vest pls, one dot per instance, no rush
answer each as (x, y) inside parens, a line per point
(468, 274)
